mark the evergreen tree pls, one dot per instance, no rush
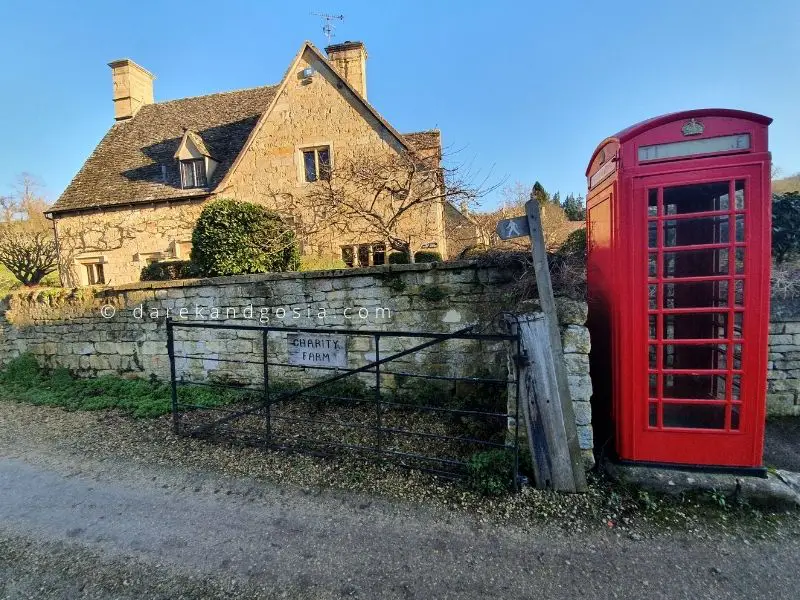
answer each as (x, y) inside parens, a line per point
(540, 194)
(574, 208)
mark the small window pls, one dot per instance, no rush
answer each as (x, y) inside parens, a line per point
(363, 255)
(317, 163)
(348, 256)
(95, 274)
(193, 173)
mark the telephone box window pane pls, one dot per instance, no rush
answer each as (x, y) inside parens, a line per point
(699, 197)
(735, 417)
(694, 416)
(653, 327)
(740, 228)
(737, 324)
(739, 194)
(693, 232)
(695, 356)
(652, 203)
(652, 356)
(695, 326)
(738, 292)
(736, 388)
(652, 234)
(652, 265)
(737, 356)
(696, 294)
(694, 387)
(739, 261)
(653, 417)
(696, 263)
(651, 295)
(653, 386)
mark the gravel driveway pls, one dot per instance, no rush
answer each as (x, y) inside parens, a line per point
(74, 525)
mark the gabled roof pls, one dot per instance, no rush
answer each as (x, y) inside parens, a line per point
(134, 162)
(126, 166)
(191, 136)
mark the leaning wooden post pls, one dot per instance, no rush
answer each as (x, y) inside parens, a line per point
(548, 304)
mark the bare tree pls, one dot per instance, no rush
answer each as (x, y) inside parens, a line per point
(28, 253)
(394, 198)
(27, 246)
(555, 223)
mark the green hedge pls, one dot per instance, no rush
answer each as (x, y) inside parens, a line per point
(786, 226)
(168, 270)
(233, 238)
(398, 258)
(425, 256)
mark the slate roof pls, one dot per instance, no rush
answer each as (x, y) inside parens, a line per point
(126, 166)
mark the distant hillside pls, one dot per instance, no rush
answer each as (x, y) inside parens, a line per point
(786, 184)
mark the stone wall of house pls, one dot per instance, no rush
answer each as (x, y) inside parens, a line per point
(783, 377)
(122, 330)
(306, 114)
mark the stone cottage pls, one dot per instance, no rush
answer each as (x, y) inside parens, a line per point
(138, 195)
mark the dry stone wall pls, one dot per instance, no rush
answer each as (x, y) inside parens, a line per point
(121, 330)
(783, 377)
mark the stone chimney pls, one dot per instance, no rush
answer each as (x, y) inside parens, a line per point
(350, 60)
(133, 88)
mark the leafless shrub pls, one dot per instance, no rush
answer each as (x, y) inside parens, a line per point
(786, 280)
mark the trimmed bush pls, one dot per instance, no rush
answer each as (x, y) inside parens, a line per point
(398, 258)
(169, 270)
(425, 256)
(233, 238)
(575, 244)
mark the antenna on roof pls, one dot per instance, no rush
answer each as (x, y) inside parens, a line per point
(328, 28)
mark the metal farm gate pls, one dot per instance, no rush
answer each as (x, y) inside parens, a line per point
(427, 401)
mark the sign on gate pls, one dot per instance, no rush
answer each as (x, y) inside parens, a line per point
(317, 349)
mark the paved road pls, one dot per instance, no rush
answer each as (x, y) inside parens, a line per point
(74, 529)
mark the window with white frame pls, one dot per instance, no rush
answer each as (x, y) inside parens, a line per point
(317, 163)
(193, 173)
(94, 273)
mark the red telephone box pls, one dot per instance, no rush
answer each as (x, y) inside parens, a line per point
(678, 225)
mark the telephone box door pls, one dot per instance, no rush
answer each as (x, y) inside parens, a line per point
(702, 271)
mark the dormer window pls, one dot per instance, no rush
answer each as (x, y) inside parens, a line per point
(193, 173)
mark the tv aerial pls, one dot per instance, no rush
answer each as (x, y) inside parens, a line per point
(328, 28)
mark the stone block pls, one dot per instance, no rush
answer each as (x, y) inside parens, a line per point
(576, 364)
(153, 348)
(585, 437)
(583, 413)
(781, 340)
(580, 387)
(575, 339)
(782, 404)
(571, 312)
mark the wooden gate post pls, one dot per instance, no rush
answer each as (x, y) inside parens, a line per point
(548, 304)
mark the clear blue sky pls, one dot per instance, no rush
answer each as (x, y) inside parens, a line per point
(525, 89)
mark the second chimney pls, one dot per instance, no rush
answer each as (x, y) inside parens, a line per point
(350, 60)
(133, 88)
